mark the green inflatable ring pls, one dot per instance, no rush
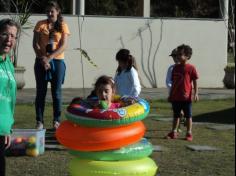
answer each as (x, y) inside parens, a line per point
(139, 150)
(142, 167)
(79, 114)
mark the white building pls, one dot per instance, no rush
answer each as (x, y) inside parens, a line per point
(149, 39)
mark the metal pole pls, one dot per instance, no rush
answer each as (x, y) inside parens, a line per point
(146, 8)
(73, 4)
(225, 9)
(81, 56)
(82, 7)
(81, 12)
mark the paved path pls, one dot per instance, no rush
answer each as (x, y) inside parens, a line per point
(28, 95)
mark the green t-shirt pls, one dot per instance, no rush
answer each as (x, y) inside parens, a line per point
(7, 95)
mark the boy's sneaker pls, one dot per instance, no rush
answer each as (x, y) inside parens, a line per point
(172, 135)
(39, 125)
(189, 137)
(56, 124)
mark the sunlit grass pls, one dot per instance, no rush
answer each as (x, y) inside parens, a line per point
(176, 160)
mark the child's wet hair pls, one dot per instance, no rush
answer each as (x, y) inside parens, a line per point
(104, 80)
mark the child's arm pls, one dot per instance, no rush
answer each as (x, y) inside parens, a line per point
(195, 87)
(134, 78)
(169, 78)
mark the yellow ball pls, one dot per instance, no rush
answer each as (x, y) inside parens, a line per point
(28, 152)
(32, 152)
(32, 139)
(35, 152)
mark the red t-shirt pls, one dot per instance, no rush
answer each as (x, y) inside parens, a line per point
(182, 78)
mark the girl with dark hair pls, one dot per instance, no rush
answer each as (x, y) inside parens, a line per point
(8, 37)
(49, 43)
(105, 91)
(127, 79)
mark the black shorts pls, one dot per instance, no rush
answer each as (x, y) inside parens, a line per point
(184, 106)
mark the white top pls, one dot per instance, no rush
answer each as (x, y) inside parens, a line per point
(169, 77)
(127, 83)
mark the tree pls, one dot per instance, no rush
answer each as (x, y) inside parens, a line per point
(21, 16)
(185, 8)
(5, 6)
(231, 26)
(113, 7)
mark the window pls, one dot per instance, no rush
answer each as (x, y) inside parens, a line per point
(159, 8)
(185, 8)
(114, 7)
(37, 6)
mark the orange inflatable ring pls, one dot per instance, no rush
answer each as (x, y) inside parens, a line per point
(82, 138)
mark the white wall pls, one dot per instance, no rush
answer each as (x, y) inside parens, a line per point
(100, 37)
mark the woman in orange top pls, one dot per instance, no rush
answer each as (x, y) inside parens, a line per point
(49, 43)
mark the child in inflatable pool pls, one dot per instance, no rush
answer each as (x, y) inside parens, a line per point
(105, 91)
(102, 96)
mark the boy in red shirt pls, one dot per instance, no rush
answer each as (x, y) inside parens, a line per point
(184, 79)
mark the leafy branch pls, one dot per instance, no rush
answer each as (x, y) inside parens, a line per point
(22, 14)
(85, 54)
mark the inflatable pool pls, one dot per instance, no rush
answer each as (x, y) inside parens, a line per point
(82, 138)
(136, 151)
(81, 114)
(142, 167)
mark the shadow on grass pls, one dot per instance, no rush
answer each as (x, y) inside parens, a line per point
(226, 116)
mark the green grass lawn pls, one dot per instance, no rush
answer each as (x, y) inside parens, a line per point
(176, 160)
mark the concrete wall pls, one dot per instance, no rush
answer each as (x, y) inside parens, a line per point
(103, 37)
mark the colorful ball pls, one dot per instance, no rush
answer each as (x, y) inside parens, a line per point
(103, 105)
(32, 139)
(18, 140)
(32, 152)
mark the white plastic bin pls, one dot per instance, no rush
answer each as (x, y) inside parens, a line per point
(29, 142)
